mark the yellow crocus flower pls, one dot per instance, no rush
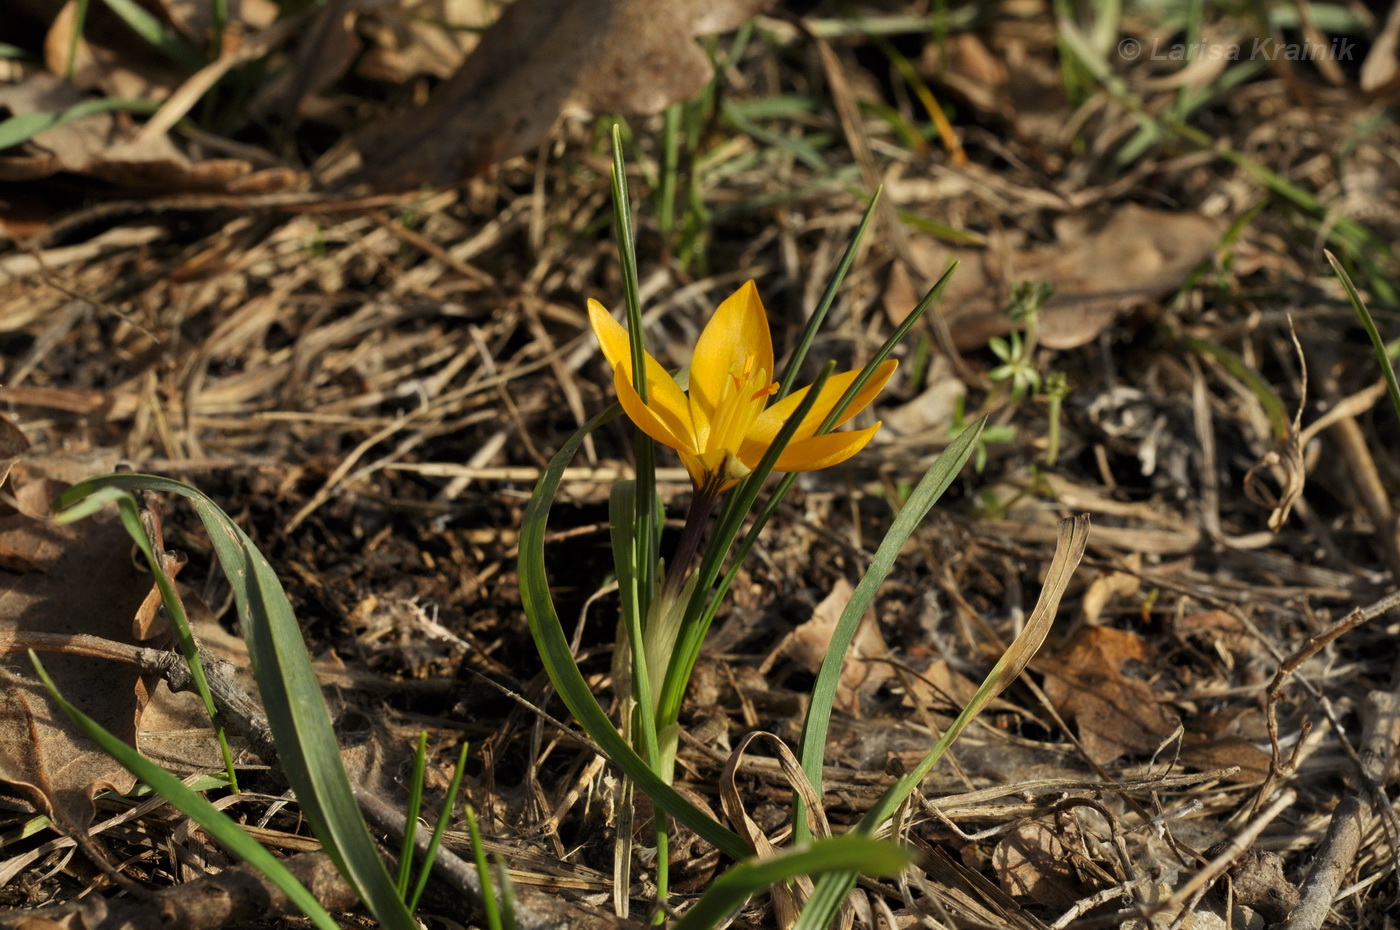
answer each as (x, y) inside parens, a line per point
(722, 428)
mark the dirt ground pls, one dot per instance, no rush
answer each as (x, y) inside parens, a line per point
(370, 381)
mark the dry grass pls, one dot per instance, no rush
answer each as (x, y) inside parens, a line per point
(370, 385)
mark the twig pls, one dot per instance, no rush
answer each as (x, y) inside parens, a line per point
(1333, 861)
(1311, 648)
(1232, 851)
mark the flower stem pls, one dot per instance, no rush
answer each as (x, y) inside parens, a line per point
(702, 504)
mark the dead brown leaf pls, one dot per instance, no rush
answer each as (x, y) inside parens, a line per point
(76, 579)
(939, 687)
(328, 48)
(103, 146)
(541, 58)
(1116, 715)
(1137, 255)
(1207, 754)
(1031, 862)
(107, 55)
(864, 669)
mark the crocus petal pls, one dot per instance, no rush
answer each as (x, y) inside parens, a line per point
(655, 419)
(736, 337)
(612, 336)
(821, 451)
(664, 396)
(765, 428)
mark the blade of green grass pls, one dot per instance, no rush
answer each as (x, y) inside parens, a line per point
(291, 695)
(825, 903)
(411, 811)
(483, 871)
(22, 128)
(157, 34)
(851, 852)
(1382, 356)
(175, 609)
(814, 323)
(930, 488)
(213, 821)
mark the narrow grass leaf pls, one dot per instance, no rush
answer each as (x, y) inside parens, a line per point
(814, 323)
(930, 488)
(213, 821)
(291, 695)
(851, 852)
(22, 128)
(157, 34)
(411, 811)
(825, 903)
(559, 663)
(1382, 356)
(483, 871)
(130, 515)
(439, 831)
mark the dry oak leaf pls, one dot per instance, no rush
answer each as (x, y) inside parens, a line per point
(1136, 256)
(1032, 863)
(1116, 715)
(539, 60)
(864, 669)
(75, 579)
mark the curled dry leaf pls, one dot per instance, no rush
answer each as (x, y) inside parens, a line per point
(540, 59)
(1138, 255)
(1115, 715)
